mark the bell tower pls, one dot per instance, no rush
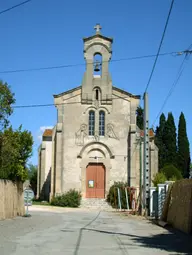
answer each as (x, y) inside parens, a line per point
(97, 83)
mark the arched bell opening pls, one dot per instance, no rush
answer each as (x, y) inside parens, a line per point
(97, 64)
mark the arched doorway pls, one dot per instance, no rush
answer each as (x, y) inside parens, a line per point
(95, 180)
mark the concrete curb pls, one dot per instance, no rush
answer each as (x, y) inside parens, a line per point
(162, 223)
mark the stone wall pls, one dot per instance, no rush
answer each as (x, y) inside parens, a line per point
(11, 199)
(179, 213)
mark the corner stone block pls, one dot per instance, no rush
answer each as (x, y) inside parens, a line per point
(59, 127)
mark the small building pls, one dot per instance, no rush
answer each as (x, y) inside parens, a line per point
(95, 141)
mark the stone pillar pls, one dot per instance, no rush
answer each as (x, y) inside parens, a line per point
(38, 173)
(42, 171)
(106, 79)
(58, 158)
(59, 113)
(88, 79)
(52, 192)
(133, 144)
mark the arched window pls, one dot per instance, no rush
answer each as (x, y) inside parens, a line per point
(91, 123)
(97, 94)
(102, 123)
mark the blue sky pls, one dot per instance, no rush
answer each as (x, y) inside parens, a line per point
(49, 33)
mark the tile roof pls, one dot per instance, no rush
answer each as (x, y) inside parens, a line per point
(151, 133)
(47, 132)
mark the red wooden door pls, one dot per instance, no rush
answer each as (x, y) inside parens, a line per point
(90, 181)
(95, 181)
(100, 185)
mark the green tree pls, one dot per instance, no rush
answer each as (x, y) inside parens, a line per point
(170, 140)
(183, 155)
(31, 169)
(6, 100)
(159, 140)
(171, 172)
(159, 178)
(16, 150)
(140, 117)
(190, 171)
(32, 176)
(167, 173)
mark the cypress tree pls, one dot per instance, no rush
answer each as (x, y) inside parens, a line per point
(159, 141)
(183, 156)
(140, 117)
(170, 140)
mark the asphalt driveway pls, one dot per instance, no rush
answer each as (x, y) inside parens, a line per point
(82, 232)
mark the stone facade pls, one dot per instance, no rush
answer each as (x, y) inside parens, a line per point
(96, 124)
(44, 166)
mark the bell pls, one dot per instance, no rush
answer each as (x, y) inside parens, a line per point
(97, 67)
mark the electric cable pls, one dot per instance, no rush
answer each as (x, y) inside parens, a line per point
(160, 45)
(15, 6)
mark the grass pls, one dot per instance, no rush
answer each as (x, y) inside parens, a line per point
(37, 202)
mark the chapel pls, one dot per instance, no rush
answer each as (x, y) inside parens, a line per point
(95, 141)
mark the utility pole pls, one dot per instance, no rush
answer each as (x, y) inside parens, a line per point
(146, 154)
(146, 144)
(141, 175)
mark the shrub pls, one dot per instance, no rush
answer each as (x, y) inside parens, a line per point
(159, 178)
(171, 172)
(167, 173)
(72, 198)
(112, 197)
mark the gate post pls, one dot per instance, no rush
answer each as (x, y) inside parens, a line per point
(161, 198)
(152, 202)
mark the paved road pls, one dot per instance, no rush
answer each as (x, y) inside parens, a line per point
(77, 231)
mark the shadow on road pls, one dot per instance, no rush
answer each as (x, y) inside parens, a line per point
(81, 233)
(172, 241)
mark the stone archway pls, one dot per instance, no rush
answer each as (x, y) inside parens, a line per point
(95, 155)
(96, 146)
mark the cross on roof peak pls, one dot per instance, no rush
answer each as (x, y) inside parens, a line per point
(97, 28)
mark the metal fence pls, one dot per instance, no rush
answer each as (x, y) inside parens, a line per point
(157, 199)
(126, 198)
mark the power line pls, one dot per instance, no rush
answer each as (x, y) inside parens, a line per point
(79, 102)
(64, 103)
(15, 6)
(180, 72)
(178, 76)
(42, 105)
(161, 42)
(83, 64)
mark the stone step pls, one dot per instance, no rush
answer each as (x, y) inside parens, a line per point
(95, 203)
